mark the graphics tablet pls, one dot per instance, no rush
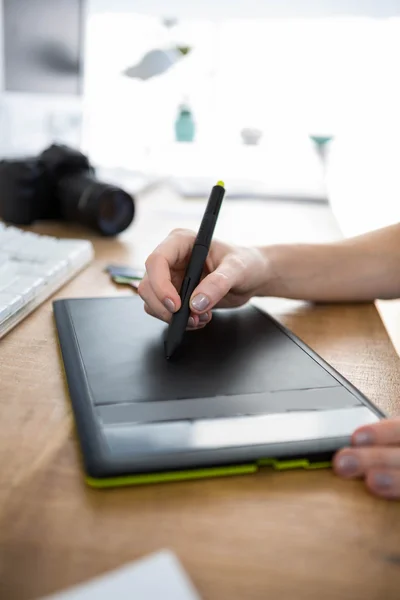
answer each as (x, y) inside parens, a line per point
(242, 392)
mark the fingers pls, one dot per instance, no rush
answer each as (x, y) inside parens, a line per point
(356, 462)
(157, 309)
(384, 483)
(159, 280)
(384, 433)
(215, 286)
(171, 254)
(153, 306)
(375, 456)
(379, 466)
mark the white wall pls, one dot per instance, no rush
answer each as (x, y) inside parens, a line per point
(251, 8)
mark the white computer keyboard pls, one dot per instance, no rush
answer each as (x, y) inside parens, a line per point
(32, 268)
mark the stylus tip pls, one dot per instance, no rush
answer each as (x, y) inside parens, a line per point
(221, 183)
(169, 349)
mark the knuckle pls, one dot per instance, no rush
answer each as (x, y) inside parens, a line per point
(238, 265)
(142, 289)
(218, 281)
(151, 259)
(237, 262)
(182, 232)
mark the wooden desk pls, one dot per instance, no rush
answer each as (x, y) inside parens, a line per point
(296, 535)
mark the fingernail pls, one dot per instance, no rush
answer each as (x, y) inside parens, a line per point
(348, 464)
(363, 438)
(383, 480)
(204, 317)
(169, 305)
(191, 322)
(200, 302)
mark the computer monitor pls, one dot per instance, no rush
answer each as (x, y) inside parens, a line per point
(43, 46)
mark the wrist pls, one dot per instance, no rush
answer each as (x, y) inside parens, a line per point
(297, 271)
(317, 272)
(271, 278)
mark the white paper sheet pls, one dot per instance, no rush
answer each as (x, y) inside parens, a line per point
(157, 577)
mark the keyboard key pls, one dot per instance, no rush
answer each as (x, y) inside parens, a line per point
(32, 267)
(8, 274)
(47, 270)
(13, 301)
(5, 310)
(25, 286)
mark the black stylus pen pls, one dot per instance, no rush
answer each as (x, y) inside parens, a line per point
(179, 321)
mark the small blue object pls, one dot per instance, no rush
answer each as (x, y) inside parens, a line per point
(321, 140)
(184, 125)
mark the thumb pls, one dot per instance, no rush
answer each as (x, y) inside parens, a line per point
(217, 284)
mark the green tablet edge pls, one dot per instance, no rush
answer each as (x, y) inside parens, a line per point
(171, 476)
(146, 478)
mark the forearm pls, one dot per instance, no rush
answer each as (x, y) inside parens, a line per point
(358, 269)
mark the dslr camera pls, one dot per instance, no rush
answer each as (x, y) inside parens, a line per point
(60, 184)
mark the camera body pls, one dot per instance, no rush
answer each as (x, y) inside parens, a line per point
(60, 184)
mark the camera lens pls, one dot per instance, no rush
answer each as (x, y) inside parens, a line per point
(100, 206)
(115, 213)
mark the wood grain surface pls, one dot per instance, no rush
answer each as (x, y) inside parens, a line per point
(282, 536)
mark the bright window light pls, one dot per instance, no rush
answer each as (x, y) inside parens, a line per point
(288, 78)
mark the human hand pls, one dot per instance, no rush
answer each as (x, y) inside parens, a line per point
(375, 457)
(232, 275)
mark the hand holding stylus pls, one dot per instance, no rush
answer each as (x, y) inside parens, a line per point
(231, 276)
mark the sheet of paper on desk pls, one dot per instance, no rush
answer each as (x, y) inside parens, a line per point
(157, 577)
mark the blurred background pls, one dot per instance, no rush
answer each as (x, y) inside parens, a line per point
(294, 100)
